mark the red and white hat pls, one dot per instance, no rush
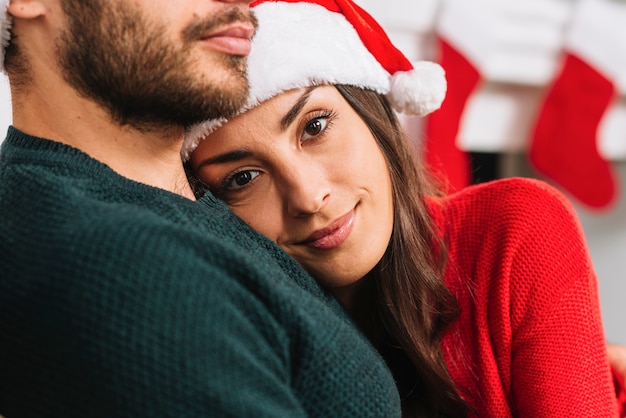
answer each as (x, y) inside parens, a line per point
(303, 43)
(5, 30)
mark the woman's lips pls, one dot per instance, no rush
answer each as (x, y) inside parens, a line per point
(332, 236)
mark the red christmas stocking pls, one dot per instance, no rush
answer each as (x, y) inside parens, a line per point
(443, 157)
(564, 142)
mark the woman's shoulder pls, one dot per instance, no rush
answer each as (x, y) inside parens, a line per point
(508, 201)
(520, 216)
(510, 192)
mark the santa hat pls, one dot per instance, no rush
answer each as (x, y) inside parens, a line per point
(5, 30)
(303, 43)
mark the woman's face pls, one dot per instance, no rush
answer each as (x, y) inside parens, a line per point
(304, 170)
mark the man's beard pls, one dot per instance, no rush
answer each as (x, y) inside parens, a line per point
(113, 55)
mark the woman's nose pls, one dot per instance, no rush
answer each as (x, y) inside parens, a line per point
(306, 190)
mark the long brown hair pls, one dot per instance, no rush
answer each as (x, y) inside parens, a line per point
(413, 303)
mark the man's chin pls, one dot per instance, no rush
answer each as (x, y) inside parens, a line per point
(228, 98)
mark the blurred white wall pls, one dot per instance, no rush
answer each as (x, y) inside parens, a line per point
(5, 106)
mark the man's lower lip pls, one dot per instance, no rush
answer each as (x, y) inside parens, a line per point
(336, 238)
(229, 45)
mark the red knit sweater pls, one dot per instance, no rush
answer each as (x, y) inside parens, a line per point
(529, 341)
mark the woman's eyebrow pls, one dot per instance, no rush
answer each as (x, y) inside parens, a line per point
(296, 108)
(284, 123)
(225, 158)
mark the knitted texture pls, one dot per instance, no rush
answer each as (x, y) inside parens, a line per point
(122, 300)
(529, 341)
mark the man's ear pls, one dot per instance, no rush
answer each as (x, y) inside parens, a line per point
(27, 9)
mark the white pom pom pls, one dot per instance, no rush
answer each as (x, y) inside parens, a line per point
(418, 92)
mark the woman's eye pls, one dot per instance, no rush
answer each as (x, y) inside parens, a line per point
(314, 128)
(239, 180)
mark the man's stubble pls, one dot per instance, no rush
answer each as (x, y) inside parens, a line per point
(115, 56)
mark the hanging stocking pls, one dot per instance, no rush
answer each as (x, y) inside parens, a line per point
(460, 56)
(564, 142)
(443, 156)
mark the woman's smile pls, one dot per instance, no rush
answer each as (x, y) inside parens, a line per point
(332, 236)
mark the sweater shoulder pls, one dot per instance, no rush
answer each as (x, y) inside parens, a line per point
(514, 193)
(93, 230)
(137, 302)
(509, 206)
(517, 233)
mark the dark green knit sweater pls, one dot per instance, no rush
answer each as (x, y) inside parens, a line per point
(122, 300)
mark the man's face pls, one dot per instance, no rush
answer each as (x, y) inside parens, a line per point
(149, 73)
